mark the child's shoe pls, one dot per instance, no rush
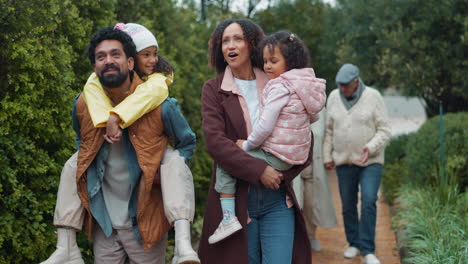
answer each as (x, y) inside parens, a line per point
(225, 230)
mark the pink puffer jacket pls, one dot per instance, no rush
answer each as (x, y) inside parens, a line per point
(291, 138)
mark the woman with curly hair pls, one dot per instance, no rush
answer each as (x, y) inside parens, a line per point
(272, 226)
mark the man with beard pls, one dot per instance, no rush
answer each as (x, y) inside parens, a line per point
(118, 184)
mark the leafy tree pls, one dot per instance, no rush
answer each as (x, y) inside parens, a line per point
(35, 139)
(93, 15)
(360, 25)
(328, 62)
(424, 52)
(416, 46)
(43, 67)
(209, 5)
(307, 19)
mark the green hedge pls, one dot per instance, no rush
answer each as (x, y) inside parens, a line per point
(395, 171)
(415, 158)
(36, 75)
(42, 67)
(431, 218)
(423, 151)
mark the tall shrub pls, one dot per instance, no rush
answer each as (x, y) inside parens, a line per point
(306, 18)
(423, 151)
(42, 67)
(395, 172)
(35, 137)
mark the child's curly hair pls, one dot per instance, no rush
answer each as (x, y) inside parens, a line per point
(163, 66)
(291, 47)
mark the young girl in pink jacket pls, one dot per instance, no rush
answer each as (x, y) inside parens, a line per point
(281, 136)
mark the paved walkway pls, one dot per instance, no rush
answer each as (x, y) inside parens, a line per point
(333, 240)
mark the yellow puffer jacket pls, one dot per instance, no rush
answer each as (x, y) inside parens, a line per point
(146, 97)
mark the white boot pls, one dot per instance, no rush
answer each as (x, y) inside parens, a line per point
(183, 253)
(67, 251)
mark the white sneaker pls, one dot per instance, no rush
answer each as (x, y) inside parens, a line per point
(315, 245)
(225, 230)
(370, 259)
(351, 252)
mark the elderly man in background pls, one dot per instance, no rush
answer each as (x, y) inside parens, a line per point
(355, 138)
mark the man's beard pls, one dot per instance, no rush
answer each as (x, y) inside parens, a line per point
(112, 80)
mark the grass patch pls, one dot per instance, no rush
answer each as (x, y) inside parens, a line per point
(432, 222)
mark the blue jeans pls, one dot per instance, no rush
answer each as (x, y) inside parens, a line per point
(360, 233)
(271, 231)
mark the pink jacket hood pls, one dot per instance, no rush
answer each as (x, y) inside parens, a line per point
(311, 90)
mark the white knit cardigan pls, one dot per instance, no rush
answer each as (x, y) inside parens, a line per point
(349, 131)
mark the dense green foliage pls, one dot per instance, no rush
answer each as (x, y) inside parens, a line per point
(35, 139)
(431, 212)
(423, 152)
(307, 23)
(395, 170)
(415, 158)
(416, 46)
(395, 151)
(432, 224)
(424, 51)
(43, 66)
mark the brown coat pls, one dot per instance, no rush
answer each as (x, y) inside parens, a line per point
(146, 135)
(223, 124)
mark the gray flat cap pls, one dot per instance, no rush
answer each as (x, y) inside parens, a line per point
(347, 73)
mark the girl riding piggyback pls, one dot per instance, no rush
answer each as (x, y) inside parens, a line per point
(281, 133)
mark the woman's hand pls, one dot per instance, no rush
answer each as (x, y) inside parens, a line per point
(240, 143)
(271, 178)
